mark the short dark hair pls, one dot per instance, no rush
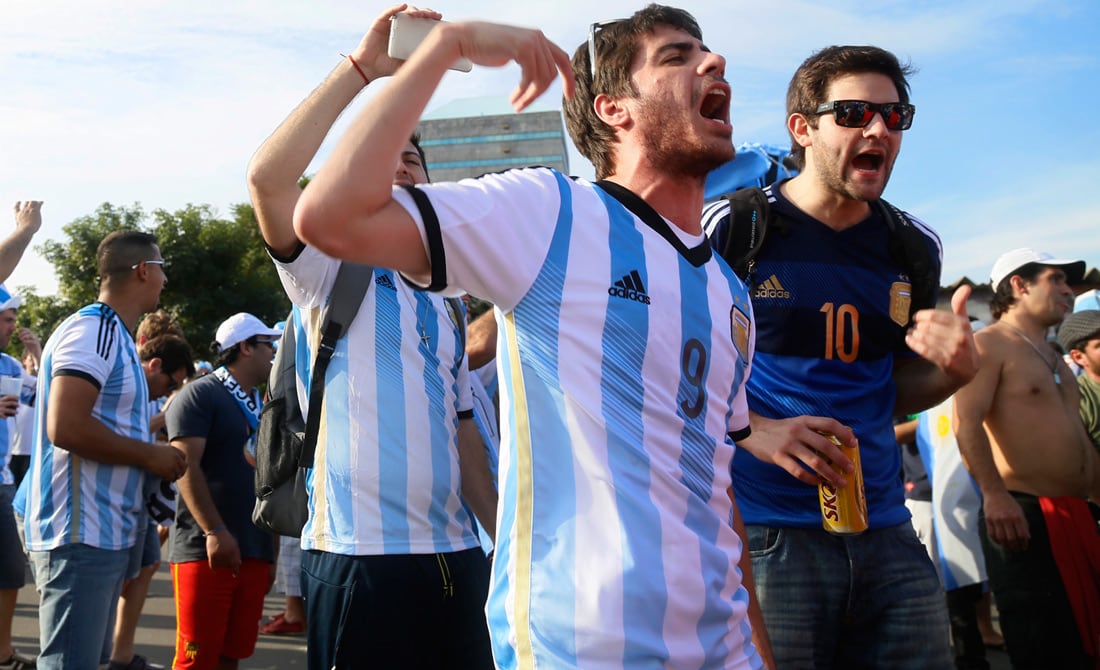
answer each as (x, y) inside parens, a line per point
(810, 83)
(121, 250)
(173, 351)
(230, 355)
(616, 46)
(1002, 293)
(415, 140)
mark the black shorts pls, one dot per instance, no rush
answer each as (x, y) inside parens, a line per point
(1036, 617)
(397, 611)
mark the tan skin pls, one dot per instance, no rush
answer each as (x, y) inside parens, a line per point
(28, 220)
(1088, 357)
(1017, 428)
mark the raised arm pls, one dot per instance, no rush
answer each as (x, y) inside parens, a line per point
(348, 211)
(282, 159)
(28, 219)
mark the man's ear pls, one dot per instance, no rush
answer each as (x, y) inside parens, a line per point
(1019, 285)
(153, 365)
(799, 127)
(611, 111)
(1078, 357)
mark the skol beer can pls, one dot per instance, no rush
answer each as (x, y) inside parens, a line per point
(844, 510)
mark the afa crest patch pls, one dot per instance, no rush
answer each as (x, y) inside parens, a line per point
(740, 326)
(901, 299)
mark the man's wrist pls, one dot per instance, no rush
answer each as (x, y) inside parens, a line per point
(215, 530)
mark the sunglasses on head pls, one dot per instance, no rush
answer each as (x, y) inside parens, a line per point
(593, 30)
(858, 113)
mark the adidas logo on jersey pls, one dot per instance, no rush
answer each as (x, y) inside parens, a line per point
(630, 287)
(385, 282)
(771, 288)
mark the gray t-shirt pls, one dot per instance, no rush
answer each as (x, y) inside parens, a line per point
(204, 408)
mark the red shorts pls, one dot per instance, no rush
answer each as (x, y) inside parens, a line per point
(217, 614)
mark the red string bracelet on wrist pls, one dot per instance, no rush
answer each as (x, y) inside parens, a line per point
(358, 69)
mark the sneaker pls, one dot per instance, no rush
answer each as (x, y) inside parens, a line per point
(280, 626)
(18, 661)
(138, 662)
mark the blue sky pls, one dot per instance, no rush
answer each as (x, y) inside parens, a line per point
(163, 102)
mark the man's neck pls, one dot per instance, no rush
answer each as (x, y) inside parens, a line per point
(123, 306)
(680, 200)
(248, 384)
(1034, 329)
(835, 210)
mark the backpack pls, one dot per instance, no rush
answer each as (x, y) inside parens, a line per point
(285, 441)
(750, 219)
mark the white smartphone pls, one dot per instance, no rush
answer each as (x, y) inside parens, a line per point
(407, 32)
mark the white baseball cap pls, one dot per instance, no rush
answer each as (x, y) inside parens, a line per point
(9, 301)
(239, 328)
(1011, 261)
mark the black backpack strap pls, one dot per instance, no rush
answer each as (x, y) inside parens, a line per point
(352, 281)
(909, 248)
(746, 229)
(458, 308)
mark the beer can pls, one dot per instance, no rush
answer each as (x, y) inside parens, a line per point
(844, 509)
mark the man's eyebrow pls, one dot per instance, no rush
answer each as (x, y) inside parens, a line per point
(406, 154)
(675, 46)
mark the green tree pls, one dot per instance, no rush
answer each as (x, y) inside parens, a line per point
(216, 268)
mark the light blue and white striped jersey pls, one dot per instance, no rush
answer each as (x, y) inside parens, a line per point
(386, 476)
(623, 359)
(10, 367)
(69, 499)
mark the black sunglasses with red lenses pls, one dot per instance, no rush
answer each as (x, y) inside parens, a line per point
(858, 113)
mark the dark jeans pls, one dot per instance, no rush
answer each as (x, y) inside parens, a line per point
(866, 601)
(1038, 624)
(418, 611)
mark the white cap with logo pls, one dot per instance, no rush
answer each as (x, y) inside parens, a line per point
(239, 328)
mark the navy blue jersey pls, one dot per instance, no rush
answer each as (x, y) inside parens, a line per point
(831, 309)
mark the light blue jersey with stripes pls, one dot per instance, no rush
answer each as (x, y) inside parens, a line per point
(624, 350)
(386, 476)
(9, 367)
(67, 499)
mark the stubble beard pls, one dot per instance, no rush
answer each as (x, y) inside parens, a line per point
(676, 152)
(831, 174)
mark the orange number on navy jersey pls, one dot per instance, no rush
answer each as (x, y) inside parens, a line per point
(841, 332)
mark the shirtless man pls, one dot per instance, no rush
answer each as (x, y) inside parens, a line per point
(1035, 466)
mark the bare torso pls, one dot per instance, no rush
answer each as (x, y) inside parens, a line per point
(1038, 442)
